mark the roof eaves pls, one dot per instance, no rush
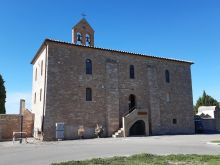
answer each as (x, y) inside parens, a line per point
(120, 51)
(37, 54)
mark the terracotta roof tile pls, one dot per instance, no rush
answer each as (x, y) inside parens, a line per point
(106, 49)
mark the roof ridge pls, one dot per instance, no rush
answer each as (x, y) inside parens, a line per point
(121, 51)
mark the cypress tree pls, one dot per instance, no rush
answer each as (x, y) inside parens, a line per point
(2, 95)
(205, 100)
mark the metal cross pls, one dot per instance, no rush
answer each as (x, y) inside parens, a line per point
(83, 15)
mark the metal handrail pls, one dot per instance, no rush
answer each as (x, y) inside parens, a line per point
(130, 110)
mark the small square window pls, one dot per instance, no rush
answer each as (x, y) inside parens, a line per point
(174, 121)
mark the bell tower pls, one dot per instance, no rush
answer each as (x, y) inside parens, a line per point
(83, 34)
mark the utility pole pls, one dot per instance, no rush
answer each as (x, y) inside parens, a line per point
(21, 129)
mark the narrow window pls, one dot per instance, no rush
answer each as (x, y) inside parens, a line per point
(132, 102)
(132, 71)
(167, 76)
(41, 68)
(35, 98)
(174, 121)
(88, 94)
(168, 97)
(40, 94)
(36, 74)
(88, 66)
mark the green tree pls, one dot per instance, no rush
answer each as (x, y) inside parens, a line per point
(2, 95)
(205, 100)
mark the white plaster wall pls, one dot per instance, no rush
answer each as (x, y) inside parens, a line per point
(36, 86)
(207, 110)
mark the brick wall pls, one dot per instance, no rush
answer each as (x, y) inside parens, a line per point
(10, 123)
(67, 81)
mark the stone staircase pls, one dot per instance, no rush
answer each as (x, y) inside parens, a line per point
(119, 133)
(126, 116)
(129, 119)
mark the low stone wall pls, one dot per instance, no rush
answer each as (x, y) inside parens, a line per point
(28, 122)
(217, 120)
(209, 125)
(10, 123)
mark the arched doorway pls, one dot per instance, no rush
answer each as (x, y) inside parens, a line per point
(132, 102)
(137, 129)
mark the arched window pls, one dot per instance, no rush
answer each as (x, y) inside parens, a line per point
(88, 66)
(167, 76)
(79, 38)
(132, 71)
(132, 102)
(88, 94)
(88, 40)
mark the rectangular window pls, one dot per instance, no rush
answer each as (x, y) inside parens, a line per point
(35, 98)
(36, 74)
(88, 94)
(174, 121)
(41, 67)
(167, 76)
(40, 94)
(168, 97)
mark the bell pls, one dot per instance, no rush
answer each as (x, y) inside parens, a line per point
(78, 37)
(88, 39)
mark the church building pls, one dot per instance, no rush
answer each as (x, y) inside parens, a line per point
(128, 94)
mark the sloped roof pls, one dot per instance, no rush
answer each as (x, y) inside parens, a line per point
(81, 22)
(106, 49)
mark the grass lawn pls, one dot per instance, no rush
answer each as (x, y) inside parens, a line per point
(148, 159)
(215, 141)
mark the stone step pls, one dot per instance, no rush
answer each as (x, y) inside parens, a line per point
(119, 133)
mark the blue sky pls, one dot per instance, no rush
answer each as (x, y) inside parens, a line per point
(182, 29)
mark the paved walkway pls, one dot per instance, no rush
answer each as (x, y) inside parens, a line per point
(44, 153)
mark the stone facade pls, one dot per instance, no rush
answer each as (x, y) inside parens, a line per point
(167, 106)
